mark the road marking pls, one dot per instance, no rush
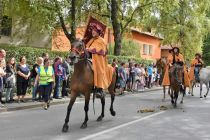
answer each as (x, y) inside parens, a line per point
(120, 126)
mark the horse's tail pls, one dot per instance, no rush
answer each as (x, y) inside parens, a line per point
(94, 96)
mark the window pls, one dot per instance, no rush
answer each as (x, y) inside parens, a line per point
(145, 49)
(150, 50)
(6, 25)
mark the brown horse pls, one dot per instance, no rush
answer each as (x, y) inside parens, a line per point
(176, 74)
(82, 82)
(161, 67)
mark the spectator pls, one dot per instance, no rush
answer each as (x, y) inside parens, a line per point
(122, 77)
(114, 62)
(39, 62)
(150, 72)
(45, 56)
(23, 73)
(58, 77)
(137, 76)
(131, 76)
(66, 75)
(2, 57)
(45, 78)
(2, 74)
(10, 80)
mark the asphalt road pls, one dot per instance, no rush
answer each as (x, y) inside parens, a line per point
(188, 121)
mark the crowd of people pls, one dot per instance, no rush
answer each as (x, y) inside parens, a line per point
(48, 77)
(43, 78)
(135, 77)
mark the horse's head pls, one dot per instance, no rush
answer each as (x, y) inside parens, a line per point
(179, 72)
(77, 49)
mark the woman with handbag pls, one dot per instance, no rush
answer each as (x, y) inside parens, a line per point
(10, 80)
(2, 74)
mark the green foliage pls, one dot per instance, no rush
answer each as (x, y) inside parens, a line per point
(183, 22)
(32, 53)
(129, 48)
(206, 50)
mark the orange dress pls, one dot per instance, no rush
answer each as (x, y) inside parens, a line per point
(166, 80)
(192, 69)
(102, 71)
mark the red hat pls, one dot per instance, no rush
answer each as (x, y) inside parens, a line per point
(96, 25)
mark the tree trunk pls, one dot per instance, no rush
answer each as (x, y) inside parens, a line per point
(73, 21)
(71, 36)
(116, 27)
(1, 14)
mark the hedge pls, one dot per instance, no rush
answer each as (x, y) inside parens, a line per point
(32, 53)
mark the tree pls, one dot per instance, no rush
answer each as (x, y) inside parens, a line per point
(206, 50)
(125, 13)
(1, 15)
(184, 22)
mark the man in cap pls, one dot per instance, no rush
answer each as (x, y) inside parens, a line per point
(175, 57)
(98, 48)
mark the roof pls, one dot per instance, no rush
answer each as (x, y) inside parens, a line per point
(166, 47)
(146, 33)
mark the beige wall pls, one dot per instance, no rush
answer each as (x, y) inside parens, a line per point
(22, 36)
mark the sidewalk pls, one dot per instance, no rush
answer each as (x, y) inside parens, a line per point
(29, 104)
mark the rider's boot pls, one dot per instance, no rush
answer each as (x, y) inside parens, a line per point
(99, 93)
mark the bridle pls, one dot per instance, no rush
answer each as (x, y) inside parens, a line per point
(80, 53)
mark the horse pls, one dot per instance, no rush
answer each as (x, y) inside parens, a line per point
(161, 67)
(204, 77)
(176, 73)
(82, 81)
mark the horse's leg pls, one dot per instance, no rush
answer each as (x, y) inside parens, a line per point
(113, 113)
(193, 85)
(207, 86)
(201, 85)
(71, 103)
(172, 96)
(86, 108)
(169, 90)
(164, 93)
(175, 98)
(183, 94)
(102, 111)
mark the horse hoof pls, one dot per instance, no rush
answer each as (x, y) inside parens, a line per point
(204, 96)
(65, 128)
(175, 106)
(201, 96)
(113, 113)
(192, 95)
(83, 126)
(172, 101)
(99, 118)
(181, 102)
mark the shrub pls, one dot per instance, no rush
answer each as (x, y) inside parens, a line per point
(30, 53)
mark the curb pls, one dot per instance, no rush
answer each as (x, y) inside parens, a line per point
(5, 109)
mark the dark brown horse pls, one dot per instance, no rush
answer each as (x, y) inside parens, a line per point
(82, 83)
(176, 74)
(161, 67)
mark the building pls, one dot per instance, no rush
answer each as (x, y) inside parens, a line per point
(149, 45)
